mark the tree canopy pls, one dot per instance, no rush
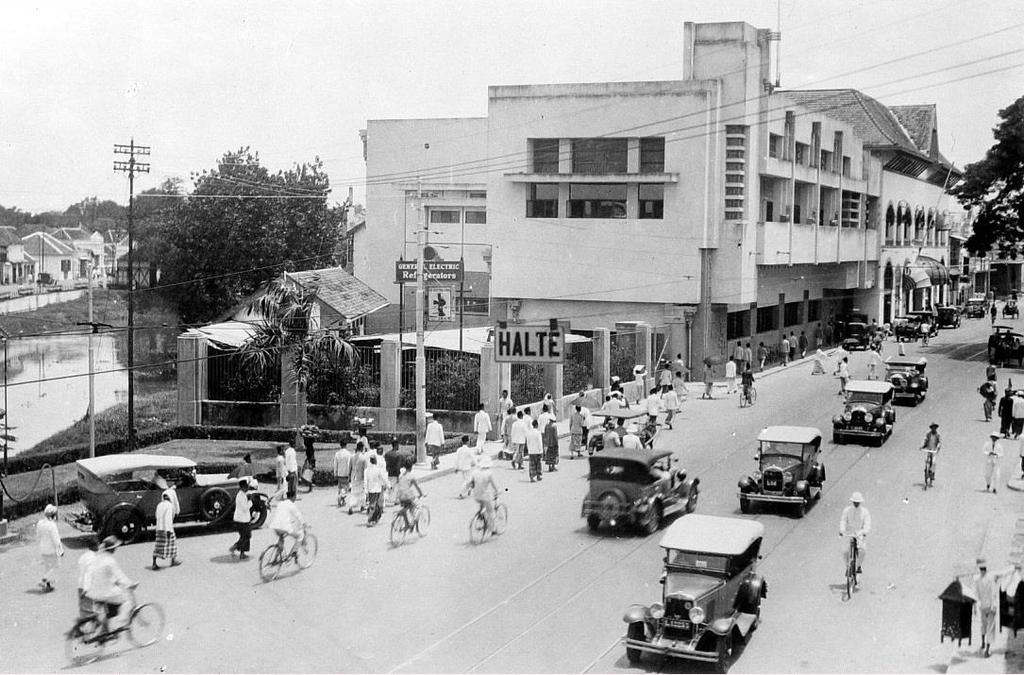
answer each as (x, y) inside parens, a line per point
(995, 187)
(241, 226)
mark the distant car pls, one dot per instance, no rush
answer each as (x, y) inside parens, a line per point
(906, 375)
(711, 593)
(789, 469)
(924, 316)
(993, 339)
(975, 308)
(1009, 346)
(856, 336)
(1010, 309)
(867, 414)
(121, 493)
(949, 317)
(636, 486)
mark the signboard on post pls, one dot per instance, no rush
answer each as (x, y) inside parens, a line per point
(439, 304)
(433, 270)
(529, 344)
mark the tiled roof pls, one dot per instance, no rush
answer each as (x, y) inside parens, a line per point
(872, 121)
(919, 122)
(344, 293)
(73, 234)
(9, 237)
(40, 243)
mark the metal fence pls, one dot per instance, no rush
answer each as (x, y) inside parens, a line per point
(354, 382)
(527, 382)
(578, 371)
(453, 380)
(230, 378)
(623, 356)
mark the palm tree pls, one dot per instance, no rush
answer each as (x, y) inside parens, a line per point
(288, 328)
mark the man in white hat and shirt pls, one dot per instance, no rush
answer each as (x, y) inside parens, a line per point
(986, 588)
(993, 450)
(481, 426)
(485, 490)
(631, 441)
(434, 440)
(855, 522)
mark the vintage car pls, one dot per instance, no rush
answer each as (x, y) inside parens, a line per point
(906, 375)
(867, 414)
(636, 486)
(1010, 309)
(949, 317)
(624, 417)
(1009, 346)
(121, 492)
(906, 329)
(856, 336)
(789, 469)
(975, 308)
(711, 593)
(995, 336)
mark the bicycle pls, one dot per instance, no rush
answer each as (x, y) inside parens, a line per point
(851, 567)
(748, 396)
(302, 553)
(86, 640)
(401, 524)
(478, 524)
(929, 469)
(304, 481)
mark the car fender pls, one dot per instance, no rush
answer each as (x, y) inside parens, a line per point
(801, 487)
(635, 613)
(690, 484)
(722, 626)
(259, 498)
(750, 593)
(746, 484)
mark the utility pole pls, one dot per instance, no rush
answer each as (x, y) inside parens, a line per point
(6, 438)
(92, 378)
(421, 359)
(131, 167)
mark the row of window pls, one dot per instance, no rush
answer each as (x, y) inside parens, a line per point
(598, 155)
(596, 200)
(458, 216)
(737, 325)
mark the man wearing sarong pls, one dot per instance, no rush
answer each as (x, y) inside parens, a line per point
(166, 542)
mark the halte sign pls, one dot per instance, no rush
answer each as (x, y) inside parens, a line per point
(529, 344)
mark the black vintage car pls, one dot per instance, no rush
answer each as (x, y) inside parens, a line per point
(1008, 346)
(789, 469)
(856, 336)
(906, 375)
(948, 317)
(975, 308)
(868, 414)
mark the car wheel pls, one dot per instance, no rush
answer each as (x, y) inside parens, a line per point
(653, 521)
(124, 523)
(691, 499)
(593, 522)
(257, 513)
(215, 504)
(724, 649)
(610, 504)
(635, 631)
(744, 505)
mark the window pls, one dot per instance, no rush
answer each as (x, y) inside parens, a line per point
(545, 155)
(476, 217)
(826, 160)
(65, 265)
(445, 216)
(737, 324)
(793, 312)
(599, 155)
(596, 200)
(732, 190)
(767, 318)
(543, 201)
(652, 201)
(846, 167)
(815, 142)
(652, 155)
(769, 211)
(478, 195)
(801, 153)
(774, 145)
(814, 310)
(3, 254)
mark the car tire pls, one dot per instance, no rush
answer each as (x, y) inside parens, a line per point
(125, 523)
(593, 522)
(610, 503)
(635, 631)
(651, 524)
(691, 499)
(724, 647)
(744, 505)
(257, 513)
(215, 504)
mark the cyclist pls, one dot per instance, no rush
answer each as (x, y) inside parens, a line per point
(287, 521)
(747, 381)
(406, 497)
(932, 444)
(105, 583)
(855, 522)
(485, 490)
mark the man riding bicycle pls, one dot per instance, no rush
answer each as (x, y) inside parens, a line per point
(105, 584)
(287, 521)
(932, 444)
(405, 495)
(855, 522)
(485, 490)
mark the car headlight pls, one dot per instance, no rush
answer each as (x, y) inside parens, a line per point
(657, 610)
(880, 422)
(787, 476)
(697, 614)
(847, 416)
(913, 385)
(838, 419)
(868, 417)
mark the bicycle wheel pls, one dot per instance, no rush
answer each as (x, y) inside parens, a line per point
(81, 645)
(422, 521)
(270, 563)
(477, 528)
(146, 625)
(753, 396)
(398, 529)
(305, 551)
(500, 518)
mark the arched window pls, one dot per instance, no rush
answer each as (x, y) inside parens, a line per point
(890, 223)
(903, 217)
(932, 235)
(919, 224)
(887, 277)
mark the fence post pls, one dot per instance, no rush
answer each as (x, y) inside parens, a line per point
(292, 401)
(602, 340)
(390, 384)
(192, 383)
(642, 349)
(490, 384)
(553, 385)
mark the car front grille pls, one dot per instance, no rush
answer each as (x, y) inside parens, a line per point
(773, 481)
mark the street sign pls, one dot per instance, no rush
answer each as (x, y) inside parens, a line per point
(440, 304)
(433, 270)
(529, 344)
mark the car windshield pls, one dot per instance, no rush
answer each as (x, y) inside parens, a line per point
(619, 470)
(694, 561)
(781, 448)
(865, 397)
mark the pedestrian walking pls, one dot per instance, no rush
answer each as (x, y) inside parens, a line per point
(464, 466)
(679, 366)
(819, 363)
(739, 356)
(85, 562)
(291, 465)
(534, 450)
(785, 350)
(576, 422)
(875, 364)
(546, 414)
(51, 549)
(1018, 414)
(730, 375)
(670, 401)
(393, 467)
(679, 385)
(166, 546)
(762, 354)
(581, 401)
(988, 398)
(517, 437)
(550, 436)
(481, 426)
(1005, 411)
(990, 372)
(802, 343)
(434, 440)
(280, 474)
(376, 482)
(358, 479)
(506, 433)
(665, 377)
(992, 312)
(550, 403)
(504, 403)
(986, 590)
(843, 372)
(993, 450)
(709, 381)
(793, 345)
(342, 464)
(748, 356)
(242, 518)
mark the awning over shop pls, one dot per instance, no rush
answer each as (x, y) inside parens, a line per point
(925, 272)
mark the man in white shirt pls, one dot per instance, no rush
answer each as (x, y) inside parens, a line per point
(343, 471)
(434, 440)
(242, 519)
(545, 414)
(50, 547)
(106, 583)
(464, 465)
(358, 479)
(376, 482)
(287, 521)
(481, 426)
(291, 466)
(993, 451)
(670, 401)
(517, 438)
(653, 405)
(85, 562)
(855, 522)
(534, 450)
(616, 402)
(730, 375)
(631, 441)
(166, 545)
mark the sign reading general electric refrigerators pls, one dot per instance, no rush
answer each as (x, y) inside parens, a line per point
(529, 344)
(433, 270)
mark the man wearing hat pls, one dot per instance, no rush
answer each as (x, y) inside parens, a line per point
(106, 583)
(50, 547)
(932, 444)
(631, 441)
(855, 522)
(485, 490)
(434, 440)
(992, 450)
(986, 588)
(1018, 414)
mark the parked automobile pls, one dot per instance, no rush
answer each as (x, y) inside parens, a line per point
(975, 308)
(711, 593)
(856, 336)
(948, 317)
(994, 337)
(844, 321)
(906, 375)
(867, 414)
(925, 316)
(1010, 309)
(640, 487)
(1009, 346)
(789, 469)
(121, 492)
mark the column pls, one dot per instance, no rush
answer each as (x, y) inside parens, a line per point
(390, 384)
(490, 383)
(192, 382)
(553, 385)
(643, 351)
(602, 359)
(293, 400)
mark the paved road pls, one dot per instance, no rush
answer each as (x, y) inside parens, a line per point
(547, 596)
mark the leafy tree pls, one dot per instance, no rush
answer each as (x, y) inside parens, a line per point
(91, 209)
(240, 226)
(995, 186)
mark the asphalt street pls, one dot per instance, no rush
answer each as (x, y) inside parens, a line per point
(548, 595)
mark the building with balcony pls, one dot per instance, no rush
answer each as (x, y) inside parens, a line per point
(713, 206)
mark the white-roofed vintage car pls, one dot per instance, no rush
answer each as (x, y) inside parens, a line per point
(121, 492)
(867, 415)
(789, 469)
(906, 375)
(711, 593)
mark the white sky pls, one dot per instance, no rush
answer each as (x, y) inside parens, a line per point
(298, 79)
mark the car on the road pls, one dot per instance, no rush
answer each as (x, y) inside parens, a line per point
(995, 336)
(711, 593)
(639, 487)
(906, 329)
(906, 375)
(789, 469)
(1009, 346)
(856, 335)
(622, 417)
(121, 492)
(975, 308)
(867, 415)
(948, 316)
(1010, 309)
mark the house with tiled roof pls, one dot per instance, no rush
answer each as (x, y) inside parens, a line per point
(89, 248)
(53, 258)
(12, 257)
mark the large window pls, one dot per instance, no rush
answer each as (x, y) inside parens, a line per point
(599, 155)
(801, 153)
(545, 155)
(652, 155)
(595, 200)
(542, 201)
(793, 312)
(445, 216)
(814, 310)
(737, 324)
(476, 217)
(767, 319)
(774, 145)
(652, 201)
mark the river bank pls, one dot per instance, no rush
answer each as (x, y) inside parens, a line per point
(109, 307)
